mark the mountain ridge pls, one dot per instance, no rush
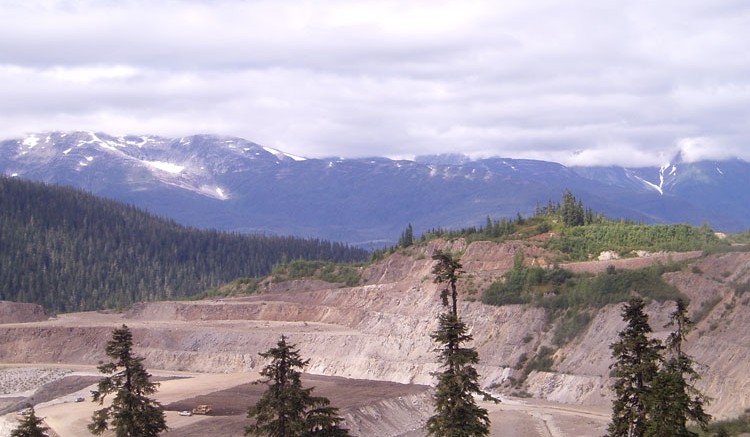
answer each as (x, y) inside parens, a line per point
(229, 183)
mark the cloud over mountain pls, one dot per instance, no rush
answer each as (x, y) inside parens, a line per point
(584, 83)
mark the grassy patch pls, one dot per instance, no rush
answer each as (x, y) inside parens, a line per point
(345, 274)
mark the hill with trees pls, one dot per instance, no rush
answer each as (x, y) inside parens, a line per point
(71, 251)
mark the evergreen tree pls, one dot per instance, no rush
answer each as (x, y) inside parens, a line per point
(571, 210)
(286, 409)
(30, 425)
(674, 398)
(637, 361)
(456, 412)
(132, 413)
(407, 237)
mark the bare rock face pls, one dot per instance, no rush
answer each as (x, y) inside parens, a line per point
(381, 330)
(13, 312)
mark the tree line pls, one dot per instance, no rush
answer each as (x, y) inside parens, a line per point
(71, 251)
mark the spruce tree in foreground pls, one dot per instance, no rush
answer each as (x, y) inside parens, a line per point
(286, 409)
(456, 412)
(675, 400)
(132, 413)
(637, 359)
(30, 425)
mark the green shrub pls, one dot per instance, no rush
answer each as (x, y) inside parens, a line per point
(579, 242)
(558, 289)
(345, 274)
(732, 427)
(740, 289)
(705, 308)
(542, 361)
(570, 326)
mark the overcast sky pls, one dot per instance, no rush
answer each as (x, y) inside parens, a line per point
(577, 82)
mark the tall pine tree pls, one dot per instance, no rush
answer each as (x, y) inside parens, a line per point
(674, 399)
(132, 413)
(286, 409)
(637, 359)
(456, 412)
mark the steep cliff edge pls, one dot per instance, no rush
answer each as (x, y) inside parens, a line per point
(380, 330)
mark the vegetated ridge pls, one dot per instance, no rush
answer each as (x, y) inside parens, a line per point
(71, 251)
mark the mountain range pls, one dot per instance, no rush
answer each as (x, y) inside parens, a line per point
(232, 184)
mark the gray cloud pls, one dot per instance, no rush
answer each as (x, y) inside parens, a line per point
(580, 82)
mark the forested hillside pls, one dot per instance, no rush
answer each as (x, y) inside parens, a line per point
(71, 251)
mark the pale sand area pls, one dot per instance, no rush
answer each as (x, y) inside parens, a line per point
(69, 418)
(510, 418)
(535, 418)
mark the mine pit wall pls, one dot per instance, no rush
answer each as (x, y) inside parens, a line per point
(393, 344)
(390, 417)
(381, 332)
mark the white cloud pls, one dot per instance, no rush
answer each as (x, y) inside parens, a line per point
(584, 81)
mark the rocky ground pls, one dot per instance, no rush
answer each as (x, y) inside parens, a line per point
(370, 345)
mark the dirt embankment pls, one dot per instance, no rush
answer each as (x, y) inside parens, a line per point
(13, 312)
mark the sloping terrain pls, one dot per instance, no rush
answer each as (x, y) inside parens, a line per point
(380, 330)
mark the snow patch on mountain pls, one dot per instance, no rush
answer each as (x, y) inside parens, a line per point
(166, 166)
(651, 185)
(139, 144)
(31, 141)
(281, 155)
(214, 191)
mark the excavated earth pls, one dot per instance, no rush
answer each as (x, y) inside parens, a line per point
(369, 347)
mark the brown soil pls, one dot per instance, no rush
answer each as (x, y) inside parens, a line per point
(229, 406)
(351, 393)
